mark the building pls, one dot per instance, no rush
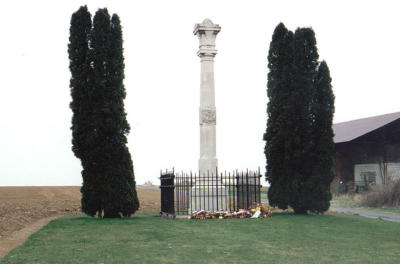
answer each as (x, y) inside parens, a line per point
(367, 151)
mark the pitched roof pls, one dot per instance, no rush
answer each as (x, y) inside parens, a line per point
(347, 131)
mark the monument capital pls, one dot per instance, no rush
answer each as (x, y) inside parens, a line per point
(206, 25)
(206, 32)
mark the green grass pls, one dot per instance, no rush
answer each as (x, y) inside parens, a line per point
(284, 238)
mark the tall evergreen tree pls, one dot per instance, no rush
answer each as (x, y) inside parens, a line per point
(82, 118)
(129, 200)
(280, 59)
(301, 101)
(78, 50)
(323, 110)
(299, 132)
(99, 121)
(114, 169)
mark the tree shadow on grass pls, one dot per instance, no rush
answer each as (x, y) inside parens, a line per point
(134, 217)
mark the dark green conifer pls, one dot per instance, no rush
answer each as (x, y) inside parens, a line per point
(280, 61)
(299, 135)
(108, 180)
(114, 169)
(82, 118)
(301, 101)
(323, 110)
(78, 50)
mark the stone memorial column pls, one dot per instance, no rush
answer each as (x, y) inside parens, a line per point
(207, 32)
(209, 193)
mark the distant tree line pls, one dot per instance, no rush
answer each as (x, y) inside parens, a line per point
(299, 136)
(99, 125)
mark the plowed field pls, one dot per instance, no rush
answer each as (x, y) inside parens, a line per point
(23, 210)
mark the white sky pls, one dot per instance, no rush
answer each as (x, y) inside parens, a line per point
(360, 40)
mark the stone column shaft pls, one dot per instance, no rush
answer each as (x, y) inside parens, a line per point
(207, 110)
(207, 32)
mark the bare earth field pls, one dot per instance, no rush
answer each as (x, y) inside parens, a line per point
(24, 210)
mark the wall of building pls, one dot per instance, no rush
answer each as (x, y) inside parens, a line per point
(366, 155)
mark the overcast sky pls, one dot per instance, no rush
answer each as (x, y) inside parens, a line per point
(360, 40)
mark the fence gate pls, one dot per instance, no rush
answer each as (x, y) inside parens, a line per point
(167, 193)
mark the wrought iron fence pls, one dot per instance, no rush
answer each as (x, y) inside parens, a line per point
(182, 193)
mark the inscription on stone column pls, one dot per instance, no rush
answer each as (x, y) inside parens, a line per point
(207, 116)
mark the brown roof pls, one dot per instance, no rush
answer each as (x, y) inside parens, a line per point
(347, 131)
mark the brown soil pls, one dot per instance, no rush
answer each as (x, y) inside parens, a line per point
(24, 210)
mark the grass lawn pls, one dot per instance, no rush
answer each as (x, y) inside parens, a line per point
(284, 238)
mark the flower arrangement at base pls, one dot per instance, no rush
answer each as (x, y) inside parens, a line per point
(257, 210)
(202, 214)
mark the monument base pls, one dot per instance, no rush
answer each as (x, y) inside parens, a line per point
(208, 168)
(208, 198)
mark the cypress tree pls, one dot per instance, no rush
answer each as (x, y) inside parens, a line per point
(323, 110)
(299, 136)
(280, 59)
(114, 169)
(80, 85)
(301, 102)
(99, 124)
(128, 199)
(78, 49)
